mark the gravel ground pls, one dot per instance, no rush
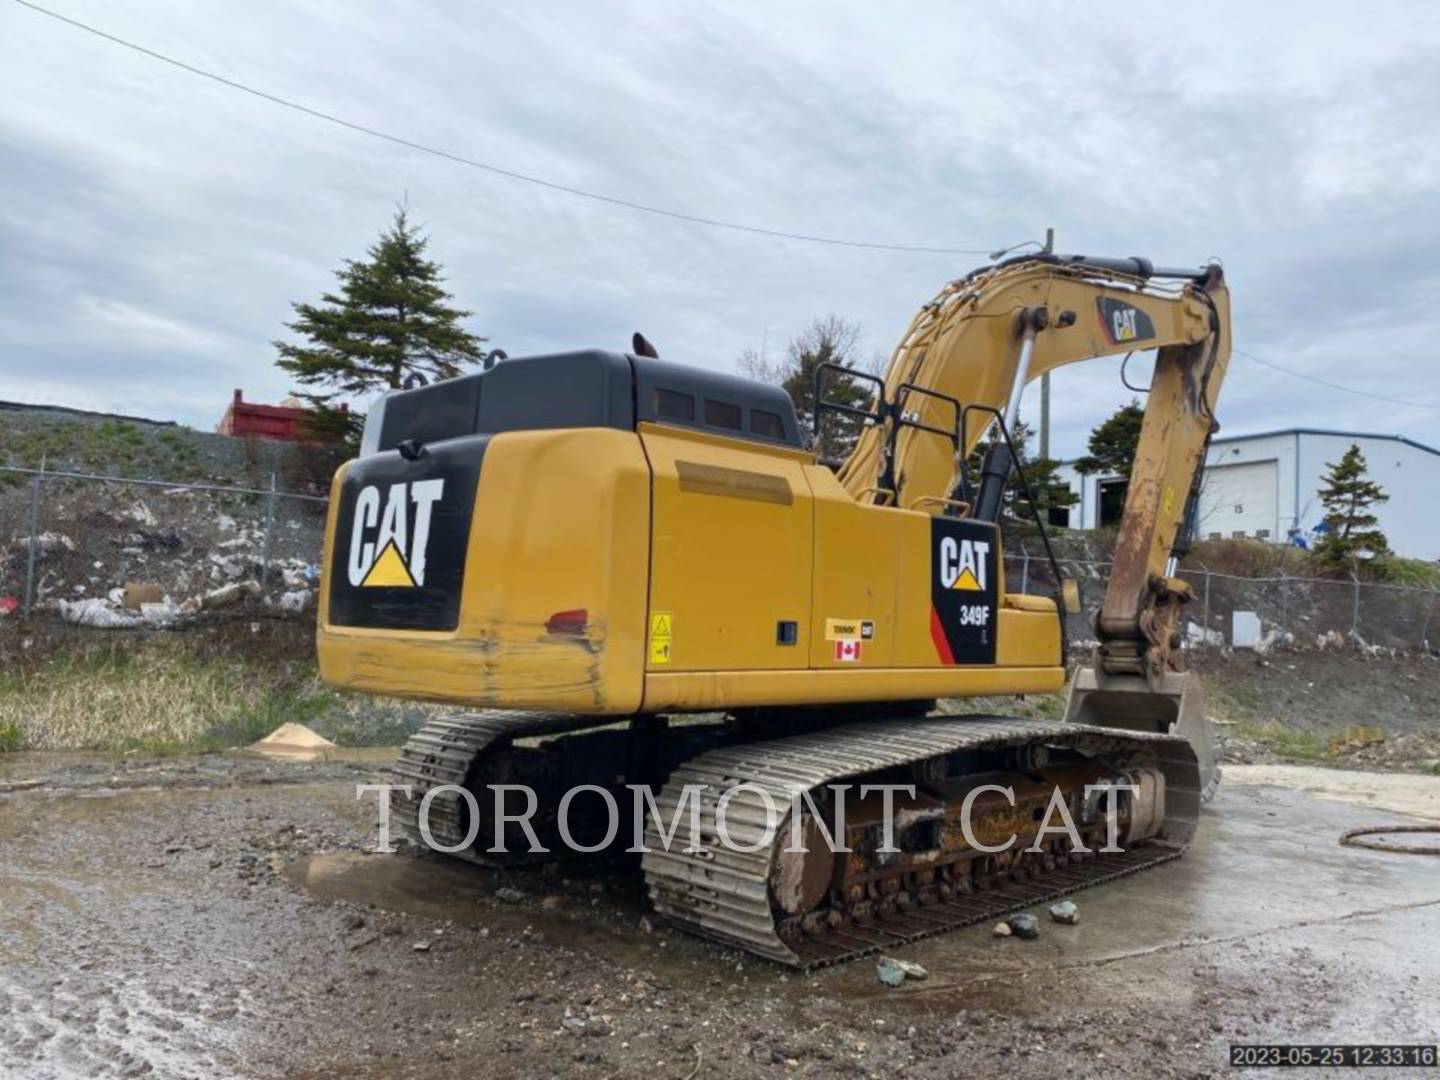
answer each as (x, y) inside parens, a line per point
(218, 916)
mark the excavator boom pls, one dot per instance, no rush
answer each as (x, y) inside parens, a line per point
(978, 343)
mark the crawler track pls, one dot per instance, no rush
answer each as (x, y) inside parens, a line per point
(724, 894)
(444, 751)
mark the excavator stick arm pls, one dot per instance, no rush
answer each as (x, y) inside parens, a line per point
(1038, 314)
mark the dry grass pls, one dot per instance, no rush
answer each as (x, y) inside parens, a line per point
(170, 697)
(1026, 706)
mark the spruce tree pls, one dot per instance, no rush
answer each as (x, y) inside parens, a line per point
(390, 320)
(1350, 528)
(1113, 442)
(1049, 490)
(829, 340)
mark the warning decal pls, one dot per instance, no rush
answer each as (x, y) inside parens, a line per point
(662, 625)
(964, 590)
(849, 629)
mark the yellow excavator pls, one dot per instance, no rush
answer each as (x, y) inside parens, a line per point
(627, 572)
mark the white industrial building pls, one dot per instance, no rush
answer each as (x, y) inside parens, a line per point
(1267, 486)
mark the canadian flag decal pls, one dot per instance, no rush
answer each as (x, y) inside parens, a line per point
(848, 651)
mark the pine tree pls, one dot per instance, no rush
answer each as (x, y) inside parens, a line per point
(829, 340)
(1349, 527)
(389, 321)
(1049, 490)
(1113, 442)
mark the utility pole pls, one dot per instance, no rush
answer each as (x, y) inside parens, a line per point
(1045, 378)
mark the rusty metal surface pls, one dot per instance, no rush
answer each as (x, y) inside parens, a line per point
(725, 894)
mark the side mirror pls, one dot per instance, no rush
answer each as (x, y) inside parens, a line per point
(1070, 592)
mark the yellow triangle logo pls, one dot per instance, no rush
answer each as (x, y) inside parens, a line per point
(966, 581)
(389, 570)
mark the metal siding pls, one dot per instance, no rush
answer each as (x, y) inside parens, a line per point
(1240, 498)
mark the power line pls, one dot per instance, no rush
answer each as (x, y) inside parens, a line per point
(1337, 386)
(677, 215)
(460, 159)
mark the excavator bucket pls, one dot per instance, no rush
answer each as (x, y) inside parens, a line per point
(1176, 706)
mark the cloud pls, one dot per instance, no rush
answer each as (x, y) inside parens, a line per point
(155, 228)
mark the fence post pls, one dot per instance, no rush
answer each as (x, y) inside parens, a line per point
(29, 598)
(1025, 569)
(1425, 630)
(269, 530)
(1284, 602)
(1355, 608)
(1205, 637)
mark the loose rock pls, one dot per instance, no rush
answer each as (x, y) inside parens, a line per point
(893, 971)
(1065, 912)
(1002, 929)
(889, 972)
(1025, 926)
(509, 895)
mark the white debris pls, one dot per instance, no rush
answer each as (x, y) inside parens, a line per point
(92, 611)
(1195, 634)
(229, 594)
(48, 542)
(140, 514)
(296, 601)
(1275, 639)
(226, 567)
(162, 613)
(224, 522)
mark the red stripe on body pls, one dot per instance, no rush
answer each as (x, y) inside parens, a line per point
(937, 635)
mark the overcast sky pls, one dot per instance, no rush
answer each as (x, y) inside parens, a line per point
(154, 227)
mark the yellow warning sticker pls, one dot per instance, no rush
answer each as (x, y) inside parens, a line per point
(662, 629)
(842, 629)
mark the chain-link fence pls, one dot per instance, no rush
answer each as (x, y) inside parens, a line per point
(1277, 610)
(107, 552)
(110, 553)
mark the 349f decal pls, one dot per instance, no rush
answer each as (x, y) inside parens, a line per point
(963, 591)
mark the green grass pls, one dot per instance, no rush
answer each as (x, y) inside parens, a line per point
(1416, 573)
(11, 737)
(1292, 744)
(109, 447)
